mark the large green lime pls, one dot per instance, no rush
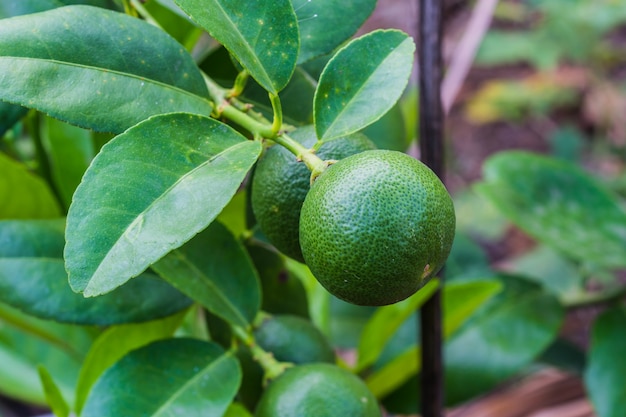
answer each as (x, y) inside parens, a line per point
(317, 390)
(280, 184)
(376, 226)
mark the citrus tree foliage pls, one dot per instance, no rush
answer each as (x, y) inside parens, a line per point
(134, 279)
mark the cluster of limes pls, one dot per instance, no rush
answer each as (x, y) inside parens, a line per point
(373, 227)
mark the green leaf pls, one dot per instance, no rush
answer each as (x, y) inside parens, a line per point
(113, 344)
(325, 24)
(362, 82)
(263, 36)
(70, 150)
(500, 48)
(54, 398)
(26, 342)
(24, 195)
(32, 268)
(553, 271)
(605, 377)
(384, 323)
(74, 62)
(460, 300)
(558, 204)
(395, 372)
(182, 377)
(504, 336)
(16, 8)
(147, 192)
(214, 269)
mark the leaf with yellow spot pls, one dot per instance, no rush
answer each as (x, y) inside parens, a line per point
(362, 82)
(263, 36)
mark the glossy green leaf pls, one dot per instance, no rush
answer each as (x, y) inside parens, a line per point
(362, 82)
(23, 195)
(325, 24)
(96, 68)
(386, 321)
(113, 344)
(558, 204)
(549, 268)
(605, 377)
(54, 398)
(147, 192)
(173, 377)
(32, 268)
(504, 336)
(10, 8)
(214, 269)
(460, 300)
(395, 372)
(263, 36)
(70, 149)
(176, 23)
(26, 342)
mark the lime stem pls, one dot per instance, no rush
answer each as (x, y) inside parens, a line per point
(240, 84)
(261, 129)
(313, 162)
(277, 109)
(271, 367)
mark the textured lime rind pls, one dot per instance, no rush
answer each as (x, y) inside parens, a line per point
(376, 226)
(317, 390)
(281, 183)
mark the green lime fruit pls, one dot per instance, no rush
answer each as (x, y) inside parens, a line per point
(293, 339)
(290, 339)
(280, 184)
(376, 226)
(317, 390)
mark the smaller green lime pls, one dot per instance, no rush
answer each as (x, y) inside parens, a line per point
(280, 184)
(317, 390)
(289, 339)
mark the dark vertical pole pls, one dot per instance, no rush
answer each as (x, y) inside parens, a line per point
(431, 148)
